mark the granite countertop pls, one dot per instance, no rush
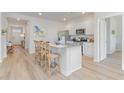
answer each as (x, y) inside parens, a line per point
(70, 44)
(67, 45)
(74, 44)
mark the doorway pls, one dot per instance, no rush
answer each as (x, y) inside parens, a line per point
(114, 39)
(110, 40)
(17, 36)
(17, 32)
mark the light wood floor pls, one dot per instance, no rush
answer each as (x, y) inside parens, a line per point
(21, 66)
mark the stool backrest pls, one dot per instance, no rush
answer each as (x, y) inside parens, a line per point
(37, 45)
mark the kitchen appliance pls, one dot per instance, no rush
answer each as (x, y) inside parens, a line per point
(62, 40)
(79, 39)
(81, 31)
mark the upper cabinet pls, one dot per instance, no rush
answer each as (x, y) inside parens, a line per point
(87, 22)
(63, 33)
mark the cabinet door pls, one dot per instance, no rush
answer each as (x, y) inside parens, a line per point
(75, 58)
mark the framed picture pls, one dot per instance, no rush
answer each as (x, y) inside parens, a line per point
(38, 31)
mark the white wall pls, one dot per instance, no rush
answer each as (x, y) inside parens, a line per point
(119, 33)
(87, 22)
(108, 34)
(122, 42)
(50, 27)
(3, 38)
(113, 27)
(111, 38)
(0, 39)
(15, 35)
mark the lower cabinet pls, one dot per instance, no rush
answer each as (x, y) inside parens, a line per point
(88, 49)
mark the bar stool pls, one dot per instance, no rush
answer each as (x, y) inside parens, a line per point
(42, 54)
(37, 52)
(52, 60)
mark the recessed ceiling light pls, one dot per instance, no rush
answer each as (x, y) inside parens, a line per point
(64, 19)
(39, 14)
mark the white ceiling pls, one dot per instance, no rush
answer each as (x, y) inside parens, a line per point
(15, 21)
(56, 16)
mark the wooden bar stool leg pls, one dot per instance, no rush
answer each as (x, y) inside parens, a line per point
(45, 63)
(59, 70)
(49, 68)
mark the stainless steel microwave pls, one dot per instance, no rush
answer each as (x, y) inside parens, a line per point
(81, 31)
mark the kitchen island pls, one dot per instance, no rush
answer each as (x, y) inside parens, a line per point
(71, 58)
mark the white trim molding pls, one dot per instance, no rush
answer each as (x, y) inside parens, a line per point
(96, 42)
(122, 42)
(0, 41)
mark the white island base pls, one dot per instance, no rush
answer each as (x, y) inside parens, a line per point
(71, 59)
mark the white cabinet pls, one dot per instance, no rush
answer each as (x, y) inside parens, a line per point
(71, 59)
(88, 49)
